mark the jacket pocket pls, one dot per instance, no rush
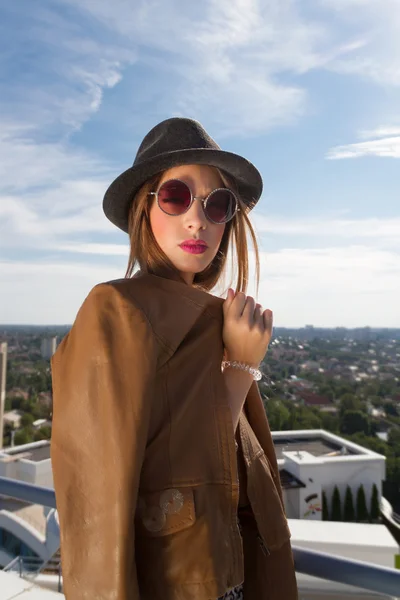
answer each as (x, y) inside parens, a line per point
(164, 512)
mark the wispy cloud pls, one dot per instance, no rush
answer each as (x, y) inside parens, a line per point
(378, 22)
(380, 132)
(229, 57)
(65, 68)
(388, 146)
(376, 229)
(47, 190)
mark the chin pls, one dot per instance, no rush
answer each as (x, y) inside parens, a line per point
(193, 266)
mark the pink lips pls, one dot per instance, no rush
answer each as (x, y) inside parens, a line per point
(194, 246)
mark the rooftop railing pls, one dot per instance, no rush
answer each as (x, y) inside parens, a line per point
(373, 578)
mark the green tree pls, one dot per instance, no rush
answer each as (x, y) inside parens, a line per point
(354, 421)
(325, 510)
(23, 436)
(278, 415)
(27, 419)
(349, 513)
(373, 443)
(391, 409)
(327, 391)
(362, 511)
(348, 402)
(394, 440)
(375, 509)
(330, 422)
(44, 433)
(336, 514)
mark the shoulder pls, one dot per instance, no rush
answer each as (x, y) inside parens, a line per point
(113, 300)
(107, 317)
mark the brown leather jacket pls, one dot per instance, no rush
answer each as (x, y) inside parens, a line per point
(146, 470)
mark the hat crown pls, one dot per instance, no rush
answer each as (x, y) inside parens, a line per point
(172, 135)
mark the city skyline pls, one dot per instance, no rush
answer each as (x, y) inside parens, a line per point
(309, 94)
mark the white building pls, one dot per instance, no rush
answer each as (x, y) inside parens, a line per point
(48, 347)
(27, 529)
(30, 463)
(315, 461)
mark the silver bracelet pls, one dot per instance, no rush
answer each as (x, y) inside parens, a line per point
(257, 375)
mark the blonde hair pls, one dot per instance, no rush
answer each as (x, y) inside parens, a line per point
(147, 254)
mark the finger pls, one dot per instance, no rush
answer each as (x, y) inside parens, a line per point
(268, 320)
(248, 310)
(258, 315)
(238, 305)
(229, 299)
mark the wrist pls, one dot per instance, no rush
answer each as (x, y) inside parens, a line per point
(240, 359)
(234, 365)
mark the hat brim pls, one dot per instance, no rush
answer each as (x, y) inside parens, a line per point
(120, 193)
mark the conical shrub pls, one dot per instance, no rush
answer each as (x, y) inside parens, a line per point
(325, 510)
(349, 511)
(362, 511)
(336, 505)
(375, 508)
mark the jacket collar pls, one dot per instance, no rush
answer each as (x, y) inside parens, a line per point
(174, 285)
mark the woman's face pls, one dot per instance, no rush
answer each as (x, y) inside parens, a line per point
(172, 231)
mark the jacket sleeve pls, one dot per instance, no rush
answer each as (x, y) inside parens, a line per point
(102, 376)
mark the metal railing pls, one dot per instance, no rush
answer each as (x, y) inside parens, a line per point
(30, 567)
(317, 564)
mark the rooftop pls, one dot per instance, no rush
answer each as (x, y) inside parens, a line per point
(317, 446)
(36, 452)
(33, 514)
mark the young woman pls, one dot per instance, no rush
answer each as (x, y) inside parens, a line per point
(165, 474)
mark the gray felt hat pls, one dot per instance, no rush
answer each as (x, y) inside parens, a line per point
(177, 141)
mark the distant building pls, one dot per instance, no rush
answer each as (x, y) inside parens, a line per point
(41, 423)
(311, 399)
(3, 379)
(13, 418)
(48, 347)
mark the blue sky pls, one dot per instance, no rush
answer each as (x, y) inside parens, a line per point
(308, 91)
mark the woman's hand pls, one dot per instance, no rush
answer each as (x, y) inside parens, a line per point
(247, 329)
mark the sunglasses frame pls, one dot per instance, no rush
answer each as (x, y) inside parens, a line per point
(202, 200)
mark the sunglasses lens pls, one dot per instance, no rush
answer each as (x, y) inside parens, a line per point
(221, 206)
(174, 197)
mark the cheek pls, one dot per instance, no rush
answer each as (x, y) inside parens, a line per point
(158, 223)
(218, 234)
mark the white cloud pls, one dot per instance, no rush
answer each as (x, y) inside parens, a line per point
(103, 249)
(387, 147)
(235, 64)
(378, 22)
(64, 67)
(229, 56)
(48, 190)
(325, 286)
(56, 290)
(353, 286)
(377, 230)
(380, 132)
(226, 56)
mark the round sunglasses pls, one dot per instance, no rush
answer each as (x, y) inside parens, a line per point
(174, 197)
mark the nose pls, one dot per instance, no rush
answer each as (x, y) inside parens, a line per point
(195, 219)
